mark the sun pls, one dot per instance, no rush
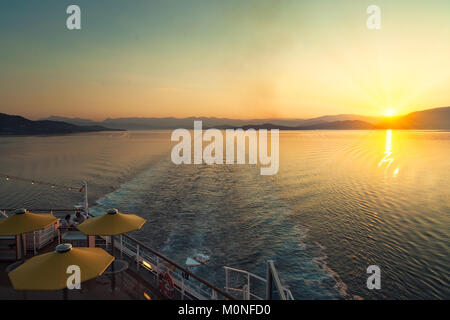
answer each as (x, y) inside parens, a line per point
(389, 113)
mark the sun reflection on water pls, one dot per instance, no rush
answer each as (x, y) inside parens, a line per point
(388, 158)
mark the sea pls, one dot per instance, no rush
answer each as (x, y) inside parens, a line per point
(341, 201)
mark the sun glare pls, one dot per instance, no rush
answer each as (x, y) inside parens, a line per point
(389, 113)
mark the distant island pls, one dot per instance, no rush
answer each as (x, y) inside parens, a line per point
(430, 119)
(17, 125)
(333, 125)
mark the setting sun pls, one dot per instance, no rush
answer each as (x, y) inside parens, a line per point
(389, 113)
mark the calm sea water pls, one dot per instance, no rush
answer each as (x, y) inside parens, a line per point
(342, 200)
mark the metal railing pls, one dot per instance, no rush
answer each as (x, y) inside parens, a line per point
(244, 286)
(187, 284)
(251, 286)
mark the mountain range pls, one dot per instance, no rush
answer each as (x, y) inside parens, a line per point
(431, 119)
(209, 122)
(17, 125)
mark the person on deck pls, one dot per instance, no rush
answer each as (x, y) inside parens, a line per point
(66, 223)
(79, 218)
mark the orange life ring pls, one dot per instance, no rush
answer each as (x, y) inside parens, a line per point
(166, 284)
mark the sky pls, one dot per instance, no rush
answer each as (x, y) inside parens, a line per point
(235, 58)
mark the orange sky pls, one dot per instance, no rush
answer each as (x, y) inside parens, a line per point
(239, 59)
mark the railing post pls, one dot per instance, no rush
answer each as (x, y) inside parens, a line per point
(121, 246)
(137, 257)
(226, 279)
(86, 205)
(244, 292)
(248, 286)
(274, 275)
(214, 295)
(268, 282)
(182, 288)
(34, 242)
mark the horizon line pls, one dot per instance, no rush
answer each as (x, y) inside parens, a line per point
(231, 118)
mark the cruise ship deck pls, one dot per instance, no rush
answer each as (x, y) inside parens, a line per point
(129, 285)
(137, 275)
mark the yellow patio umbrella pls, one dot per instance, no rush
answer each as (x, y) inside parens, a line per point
(49, 271)
(23, 221)
(110, 224)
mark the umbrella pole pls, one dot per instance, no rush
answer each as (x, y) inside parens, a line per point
(21, 248)
(34, 242)
(113, 276)
(17, 247)
(112, 245)
(24, 241)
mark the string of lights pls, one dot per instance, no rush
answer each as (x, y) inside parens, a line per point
(52, 185)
